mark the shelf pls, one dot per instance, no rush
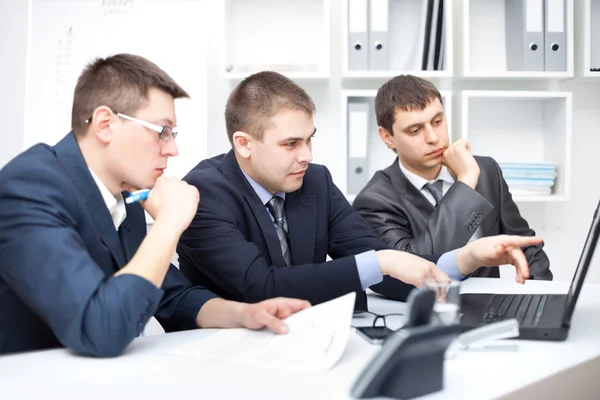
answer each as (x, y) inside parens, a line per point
(296, 75)
(486, 24)
(402, 32)
(391, 74)
(523, 127)
(378, 156)
(299, 49)
(519, 75)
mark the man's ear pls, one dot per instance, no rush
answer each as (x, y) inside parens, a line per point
(101, 124)
(243, 143)
(386, 136)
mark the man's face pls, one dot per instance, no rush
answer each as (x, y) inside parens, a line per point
(279, 161)
(139, 156)
(420, 137)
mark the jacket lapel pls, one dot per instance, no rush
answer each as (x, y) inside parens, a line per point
(407, 189)
(301, 211)
(267, 228)
(105, 227)
(69, 154)
(233, 173)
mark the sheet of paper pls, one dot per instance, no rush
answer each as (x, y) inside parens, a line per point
(315, 342)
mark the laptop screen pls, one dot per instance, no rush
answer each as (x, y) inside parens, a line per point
(582, 267)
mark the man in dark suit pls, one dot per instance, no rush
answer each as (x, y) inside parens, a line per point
(269, 218)
(75, 268)
(436, 196)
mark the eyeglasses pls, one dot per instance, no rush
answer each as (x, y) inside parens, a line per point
(164, 132)
(394, 321)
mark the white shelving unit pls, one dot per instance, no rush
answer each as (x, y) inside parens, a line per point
(378, 155)
(485, 44)
(522, 126)
(405, 33)
(591, 38)
(288, 36)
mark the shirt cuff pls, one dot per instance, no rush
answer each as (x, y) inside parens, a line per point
(447, 263)
(369, 270)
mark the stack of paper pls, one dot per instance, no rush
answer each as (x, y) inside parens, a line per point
(529, 179)
(316, 340)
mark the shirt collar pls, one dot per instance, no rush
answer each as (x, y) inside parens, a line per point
(115, 204)
(262, 193)
(419, 182)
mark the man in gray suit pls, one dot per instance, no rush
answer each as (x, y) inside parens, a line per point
(436, 196)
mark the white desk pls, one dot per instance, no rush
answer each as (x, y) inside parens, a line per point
(146, 372)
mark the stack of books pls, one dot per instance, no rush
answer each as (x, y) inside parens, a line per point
(529, 179)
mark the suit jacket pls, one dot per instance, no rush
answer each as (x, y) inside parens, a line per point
(232, 248)
(400, 214)
(58, 252)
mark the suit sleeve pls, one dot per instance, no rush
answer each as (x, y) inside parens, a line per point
(46, 263)
(512, 223)
(350, 233)
(181, 302)
(449, 227)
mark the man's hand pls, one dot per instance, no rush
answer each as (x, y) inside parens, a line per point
(172, 202)
(269, 313)
(219, 313)
(496, 250)
(409, 268)
(461, 163)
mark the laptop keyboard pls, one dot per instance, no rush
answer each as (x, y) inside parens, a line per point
(526, 308)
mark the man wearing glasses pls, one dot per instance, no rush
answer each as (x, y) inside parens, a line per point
(76, 266)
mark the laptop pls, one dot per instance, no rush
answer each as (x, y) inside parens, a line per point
(540, 316)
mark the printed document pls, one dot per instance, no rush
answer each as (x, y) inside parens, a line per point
(316, 340)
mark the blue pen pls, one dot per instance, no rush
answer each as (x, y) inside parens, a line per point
(137, 196)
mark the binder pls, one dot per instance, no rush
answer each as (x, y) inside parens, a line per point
(555, 39)
(427, 32)
(434, 36)
(358, 128)
(379, 51)
(358, 41)
(435, 29)
(524, 24)
(440, 39)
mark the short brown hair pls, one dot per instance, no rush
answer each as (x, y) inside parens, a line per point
(120, 82)
(258, 98)
(403, 92)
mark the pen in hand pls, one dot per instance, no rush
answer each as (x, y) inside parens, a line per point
(138, 195)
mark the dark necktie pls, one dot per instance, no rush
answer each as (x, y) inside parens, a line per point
(435, 189)
(275, 206)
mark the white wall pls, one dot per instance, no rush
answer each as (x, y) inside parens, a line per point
(13, 52)
(563, 225)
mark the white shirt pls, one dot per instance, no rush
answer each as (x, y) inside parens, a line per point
(447, 181)
(115, 204)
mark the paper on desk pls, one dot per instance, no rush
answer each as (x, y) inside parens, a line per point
(315, 342)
